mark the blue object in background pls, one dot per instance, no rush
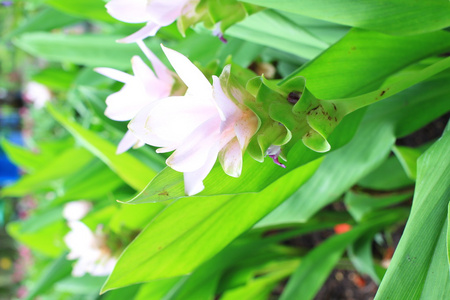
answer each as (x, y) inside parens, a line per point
(9, 172)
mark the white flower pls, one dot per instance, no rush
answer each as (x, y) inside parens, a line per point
(89, 248)
(200, 126)
(37, 93)
(157, 14)
(76, 210)
(139, 90)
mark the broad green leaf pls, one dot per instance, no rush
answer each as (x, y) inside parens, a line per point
(94, 181)
(219, 273)
(156, 290)
(50, 176)
(80, 285)
(317, 264)
(273, 29)
(343, 69)
(55, 271)
(371, 145)
(360, 204)
(23, 157)
(389, 176)
(47, 241)
(45, 20)
(90, 9)
(396, 17)
(134, 217)
(204, 227)
(131, 170)
(422, 272)
(90, 50)
(360, 254)
(408, 158)
(260, 288)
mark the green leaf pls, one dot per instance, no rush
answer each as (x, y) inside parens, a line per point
(131, 170)
(47, 241)
(55, 271)
(261, 287)
(396, 17)
(389, 176)
(204, 227)
(408, 158)
(22, 157)
(43, 21)
(273, 29)
(360, 204)
(317, 264)
(90, 9)
(422, 272)
(343, 69)
(88, 49)
(80, 285)
(50, 176)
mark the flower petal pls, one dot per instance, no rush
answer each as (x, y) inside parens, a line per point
(155, 87)
(129, 11)
(126, 103)
(114, 74)
(230, 158)
(148, 30)
(193, 181)
(128, 141)
(192, 153)
(190, 74)
(161, 70)
(165, 12)
(226, 107)
(245, 127)
(167, 122)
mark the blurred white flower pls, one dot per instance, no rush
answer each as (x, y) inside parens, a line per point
(139, 90)
(36, 93)
(90, 250)
(157, 14)
(200, 126)
(76, 210)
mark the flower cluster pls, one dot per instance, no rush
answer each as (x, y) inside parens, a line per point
(201, 125)
(89, 248)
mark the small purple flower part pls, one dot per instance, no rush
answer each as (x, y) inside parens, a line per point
(218, 32)
(274, 152)
(7, 3)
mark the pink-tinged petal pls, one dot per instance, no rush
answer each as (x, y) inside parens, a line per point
(193, 181)
(245, 127)
(126, 103)
(226, 107)
(167, 122)
(193, 152)
(190, 74)
(165, 12)
(114, 74)
(230, 158)
(128, 141)
(155, 87)
(161, 70)
(148, 30)
(134, 11)
(142, 71)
